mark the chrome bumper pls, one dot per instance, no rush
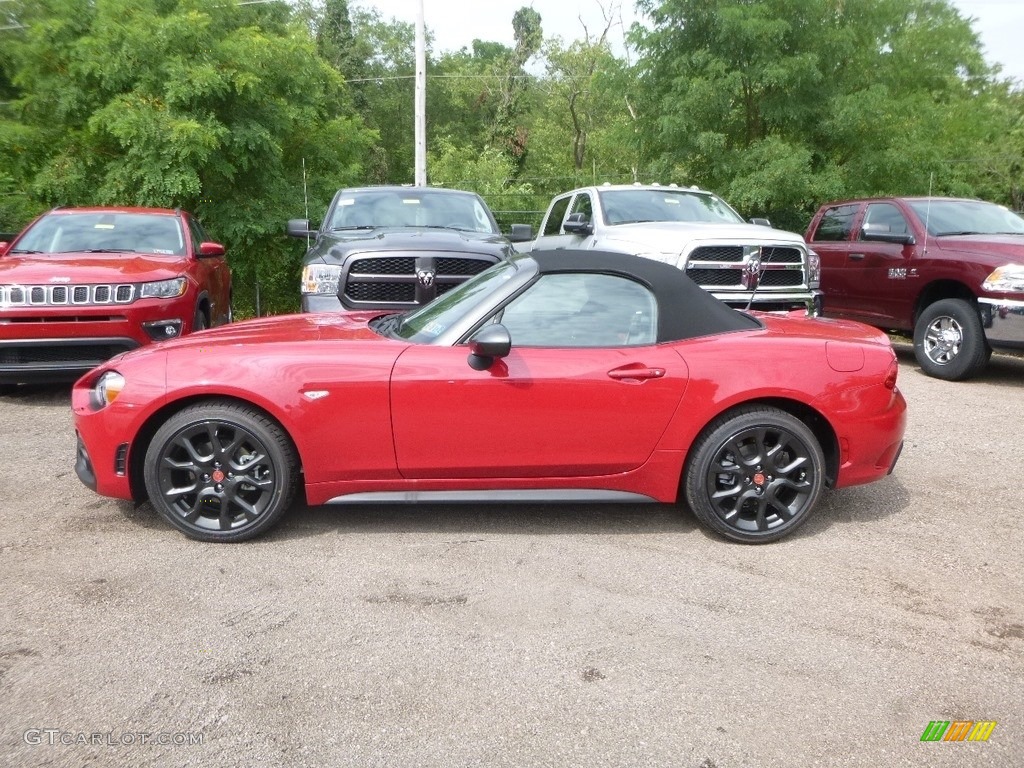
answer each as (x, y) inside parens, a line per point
(1003, 321)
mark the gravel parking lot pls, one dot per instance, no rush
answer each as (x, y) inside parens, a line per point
(523, 635)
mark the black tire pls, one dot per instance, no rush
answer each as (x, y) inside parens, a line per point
(949, 342)
(220, 471)
(754, 474)
(199, 321)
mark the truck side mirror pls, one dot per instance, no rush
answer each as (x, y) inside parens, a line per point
(520, 233)
(881, 233)
(578, 224)
(299, 228)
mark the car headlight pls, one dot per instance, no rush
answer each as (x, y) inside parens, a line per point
(1007, 278)
(107, 388)
(666, 257)
(163, 289)
(321, 278)
(813, 270)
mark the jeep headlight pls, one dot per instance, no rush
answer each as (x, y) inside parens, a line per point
(321, 278)
(163, 289)
(1008, 278)
(107, 388)
(813, 270)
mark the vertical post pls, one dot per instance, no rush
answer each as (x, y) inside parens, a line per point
(421, 100)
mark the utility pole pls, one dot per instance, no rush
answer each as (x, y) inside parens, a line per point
(421, 100)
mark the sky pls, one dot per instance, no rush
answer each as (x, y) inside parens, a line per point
(456, 23)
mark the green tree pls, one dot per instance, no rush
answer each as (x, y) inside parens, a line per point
(780, 104)
(186, 103)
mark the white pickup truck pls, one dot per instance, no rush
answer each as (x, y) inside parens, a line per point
(743, 264)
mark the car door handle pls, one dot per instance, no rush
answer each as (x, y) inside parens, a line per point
(856, 257)
(636, 372)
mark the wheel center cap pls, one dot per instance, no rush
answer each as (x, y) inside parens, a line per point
(218, 476)
(759, 478)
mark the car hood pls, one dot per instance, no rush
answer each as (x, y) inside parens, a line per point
(88, 268)
(656, 235)
(1009, 246)
(284, 328)
(336, 245)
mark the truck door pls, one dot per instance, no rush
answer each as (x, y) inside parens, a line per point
(831, 241)
(880, 260)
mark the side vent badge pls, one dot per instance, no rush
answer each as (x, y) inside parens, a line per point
(316, 394)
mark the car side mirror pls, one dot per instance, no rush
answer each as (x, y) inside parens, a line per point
(299, 228)
(578, 224)
(760, 221)
(211, 249)
(489, 344)
(520, 233)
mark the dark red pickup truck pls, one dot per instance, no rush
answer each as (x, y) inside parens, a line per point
(950, 271)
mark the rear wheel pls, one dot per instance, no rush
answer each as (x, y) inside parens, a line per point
(221, 471)
(755, 474)
(949, 342)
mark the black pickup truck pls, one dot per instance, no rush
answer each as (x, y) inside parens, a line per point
(398, 247)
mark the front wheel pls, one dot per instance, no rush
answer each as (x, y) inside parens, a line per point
(755, 474)
(949, 342)
(220, 471)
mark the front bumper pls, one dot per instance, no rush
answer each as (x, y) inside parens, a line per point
(812, 301)
(30, 361)
(1003, 321)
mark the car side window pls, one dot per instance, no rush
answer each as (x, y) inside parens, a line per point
(582, 310)
(554, 223)
(836, 223)
(583, 204)
(885, 217)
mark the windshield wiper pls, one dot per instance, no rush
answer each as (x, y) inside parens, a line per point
(23, 250)
(354, 226)
(965, 232)
(100, 250)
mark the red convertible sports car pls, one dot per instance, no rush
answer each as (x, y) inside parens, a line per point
(557, 376)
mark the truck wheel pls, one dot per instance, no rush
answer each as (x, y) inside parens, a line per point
(949, 342)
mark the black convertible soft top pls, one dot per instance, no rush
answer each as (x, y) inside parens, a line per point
(685, 310)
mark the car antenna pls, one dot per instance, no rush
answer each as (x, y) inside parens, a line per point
(928, 212)
(305, 198)
(757, 272)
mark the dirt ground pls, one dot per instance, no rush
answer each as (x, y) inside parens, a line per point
(523, 635)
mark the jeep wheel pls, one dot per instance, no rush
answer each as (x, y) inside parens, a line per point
(949, 342)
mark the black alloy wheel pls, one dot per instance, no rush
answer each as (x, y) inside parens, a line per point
(755, 474)
(221, 471)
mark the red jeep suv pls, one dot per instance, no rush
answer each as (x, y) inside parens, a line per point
(81, 285)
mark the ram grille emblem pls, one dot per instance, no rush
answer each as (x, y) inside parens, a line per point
(425, 277)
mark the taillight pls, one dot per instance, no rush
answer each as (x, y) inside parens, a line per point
(890, 376)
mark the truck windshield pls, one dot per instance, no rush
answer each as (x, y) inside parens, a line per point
(104, 232)
(967, 217)
(372, 209)
(629, 206)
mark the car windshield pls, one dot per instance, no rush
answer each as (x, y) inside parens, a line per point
(370, 209)
(967, 217)
(427, 323)
(628, 206)
(104, 232)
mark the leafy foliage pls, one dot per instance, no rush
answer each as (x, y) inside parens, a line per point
(243, 113)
